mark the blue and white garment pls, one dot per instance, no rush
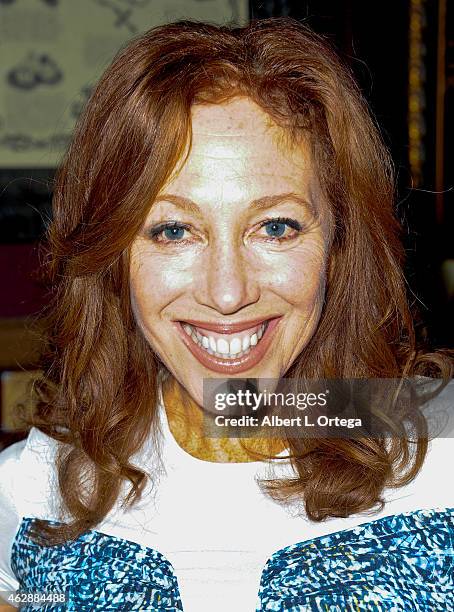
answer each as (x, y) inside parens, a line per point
(402, 562)
(204, 538)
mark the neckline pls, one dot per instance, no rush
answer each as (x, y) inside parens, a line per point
(181, 454)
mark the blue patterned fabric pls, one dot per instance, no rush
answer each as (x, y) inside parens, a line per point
(97, 572)
(400, 563)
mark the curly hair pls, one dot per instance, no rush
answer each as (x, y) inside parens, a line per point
(99, 389)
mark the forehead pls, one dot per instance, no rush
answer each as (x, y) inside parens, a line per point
(237, 143)
(235, 117)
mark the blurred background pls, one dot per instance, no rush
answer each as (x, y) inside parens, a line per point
(53, 52)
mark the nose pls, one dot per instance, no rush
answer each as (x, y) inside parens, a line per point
(227, 282)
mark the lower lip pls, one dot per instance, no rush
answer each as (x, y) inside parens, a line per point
(232, 366)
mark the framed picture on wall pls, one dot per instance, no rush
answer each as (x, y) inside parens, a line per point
(54, 51)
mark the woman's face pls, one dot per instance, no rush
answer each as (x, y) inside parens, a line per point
(228, 273)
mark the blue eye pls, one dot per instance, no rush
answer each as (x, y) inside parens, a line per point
(174, 233)
(275, 229)
(168, 232)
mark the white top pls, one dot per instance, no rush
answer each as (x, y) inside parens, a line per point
(210, 520)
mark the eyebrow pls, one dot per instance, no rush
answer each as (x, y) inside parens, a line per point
(259, 204)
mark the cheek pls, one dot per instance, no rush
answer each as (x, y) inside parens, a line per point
(163, 274)
(156, 281)
(299, 275)
(141, 304)
(147, 290)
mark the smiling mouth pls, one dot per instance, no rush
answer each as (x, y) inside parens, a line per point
(226, 346)
(233, 349)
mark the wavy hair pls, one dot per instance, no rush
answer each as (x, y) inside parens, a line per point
(99, 389)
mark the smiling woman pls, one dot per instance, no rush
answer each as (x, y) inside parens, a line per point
(225, 210)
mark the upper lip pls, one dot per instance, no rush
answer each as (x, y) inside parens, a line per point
(227, 328)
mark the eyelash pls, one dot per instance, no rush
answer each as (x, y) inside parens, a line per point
(159, 229)
(293, 223)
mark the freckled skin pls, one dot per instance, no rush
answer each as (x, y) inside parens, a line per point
(228, 268)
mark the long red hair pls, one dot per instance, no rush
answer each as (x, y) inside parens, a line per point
(99, 388)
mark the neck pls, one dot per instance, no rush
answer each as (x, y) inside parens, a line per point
(185, 418)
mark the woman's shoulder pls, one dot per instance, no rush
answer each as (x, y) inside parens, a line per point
(399, 562)
(36, 446)
(27, 483)
(27, 473)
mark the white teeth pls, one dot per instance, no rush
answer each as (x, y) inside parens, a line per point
(223, 346)
(235, 346)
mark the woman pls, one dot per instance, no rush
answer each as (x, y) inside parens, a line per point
(224, 211)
